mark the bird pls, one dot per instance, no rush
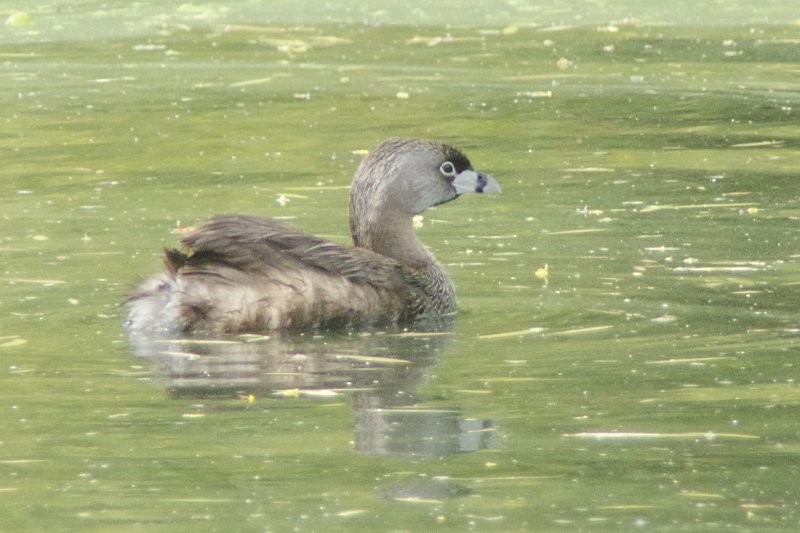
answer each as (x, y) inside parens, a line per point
(242, 273)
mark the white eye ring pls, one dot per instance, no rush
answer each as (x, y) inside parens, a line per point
(448, 169)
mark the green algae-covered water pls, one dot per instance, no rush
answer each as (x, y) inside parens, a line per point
(626, 352)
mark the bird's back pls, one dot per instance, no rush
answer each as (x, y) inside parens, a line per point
(253, 274)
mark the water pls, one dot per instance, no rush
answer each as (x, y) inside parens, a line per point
(625, 355)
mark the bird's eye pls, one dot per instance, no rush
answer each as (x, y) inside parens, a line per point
(448, 169)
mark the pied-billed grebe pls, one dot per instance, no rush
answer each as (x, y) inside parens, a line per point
(245, 273)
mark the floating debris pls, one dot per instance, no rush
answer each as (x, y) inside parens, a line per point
(759, 144)
(581, 331)
(541, 331)
(309, 393)
(183, 355)
(585, 211)
(589, 169)
(249, 398)
(34, 281)
(19, 18)
(672, 207)
(517, 333)
(252, 337)
(710, 269)
(704, 495)
(370, 359)
(535, 94)
(255, 81)
(518, 380)
(627, 435)
(351, 512)
(689, 360)
(318, 187)
(111, 80)
(422, 334)
(575, 231)
(664, 319)
(14, 341)
(543, 274)
(200, 342)
(416, 499)
(199, 500)
(661, 248)
(149, 47)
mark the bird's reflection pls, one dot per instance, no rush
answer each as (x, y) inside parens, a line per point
(380, 370)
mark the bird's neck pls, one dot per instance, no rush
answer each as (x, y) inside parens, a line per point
(392, 235)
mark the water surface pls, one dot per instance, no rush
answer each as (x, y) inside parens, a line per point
(625, 355)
